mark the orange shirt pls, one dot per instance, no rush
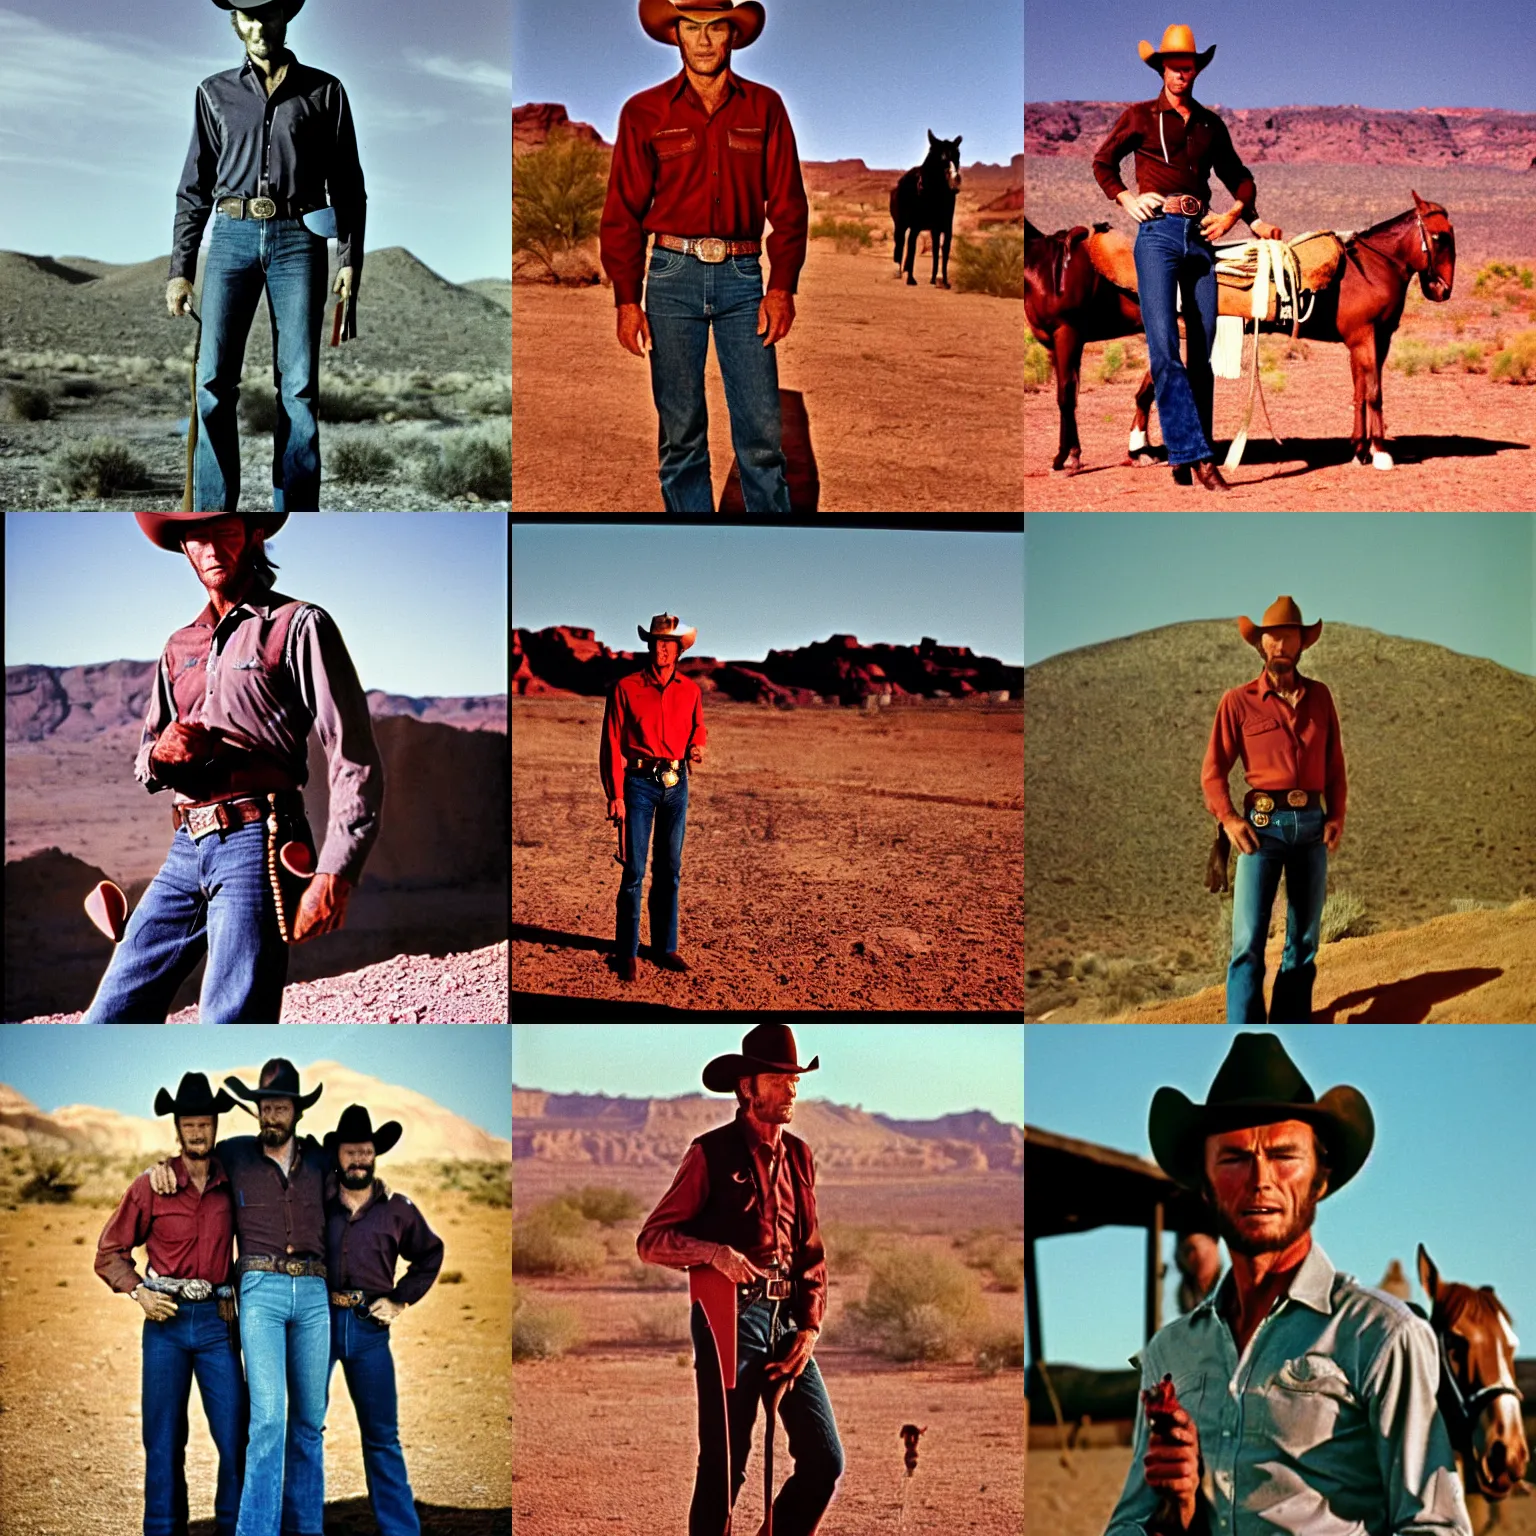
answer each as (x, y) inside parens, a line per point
(1281, 747)
(643, 719)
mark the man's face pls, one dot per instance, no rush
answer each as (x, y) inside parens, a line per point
(355, 1159)
(197, 1133)
(706, 46)
(221, 551)
(263, 30)
(278, 1118)
(666, 654)
(1179, 72)
(1264, 1184)
(771, 1096)
(1199, 1257)
(1281, 648)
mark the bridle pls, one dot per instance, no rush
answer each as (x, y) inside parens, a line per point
(1407, 270)
(1461, 1410)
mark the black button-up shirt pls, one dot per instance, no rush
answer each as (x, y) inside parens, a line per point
(277, 1216)
(361, 1248)
(295, 145)
(1172, 156)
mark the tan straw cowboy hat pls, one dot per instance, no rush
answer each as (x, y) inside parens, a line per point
(660, 18)
(1281, 614)
(667, 626)
(1176, 39)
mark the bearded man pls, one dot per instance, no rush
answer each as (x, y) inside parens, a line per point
(273, 161)
(699, 161)
(743, 1204)
(1307, 1401)
(236, 696)
(1286, 730)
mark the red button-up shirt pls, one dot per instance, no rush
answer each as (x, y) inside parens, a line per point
(1281, 747)
(1172, 155)
(188, 1235)
(677, 170)
(643, 719)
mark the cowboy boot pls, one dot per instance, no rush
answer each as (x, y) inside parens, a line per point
(626, 967)
(1210, 477)
(1183, 474)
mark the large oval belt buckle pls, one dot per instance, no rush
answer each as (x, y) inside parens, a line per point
(1296, 797)
(261, 208)
(1260, 819)
(1263, 803)
(710, 250)
(670, 777)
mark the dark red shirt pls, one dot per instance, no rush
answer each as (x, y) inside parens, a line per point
(361, 1248)
(188, 1236)
(278, 1215)
(677, 170)
(1281, 747)
(1172, 156)
(643, 719)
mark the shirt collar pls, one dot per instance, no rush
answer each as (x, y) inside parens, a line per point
(1261, 685)
(258, 599)
(732, 84)
(1163, 104)
(1312, 1286)
(289, 58)
(216, 1174)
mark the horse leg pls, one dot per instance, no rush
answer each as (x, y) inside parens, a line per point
(944, 275)
(1137, 452)
(911, 260)
(901, 235)
(1359, 366)
(1377, 420)
(1067, 347)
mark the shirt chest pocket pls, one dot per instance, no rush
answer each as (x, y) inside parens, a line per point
(1306, 1403)
(747, 141)
(1258, 727)
(673, 143)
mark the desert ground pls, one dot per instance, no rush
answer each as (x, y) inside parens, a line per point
(834, 859)
(71, 1457)
(1460, 438)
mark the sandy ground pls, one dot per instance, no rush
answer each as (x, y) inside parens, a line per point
(833, 860)
(71, 1456)
(914, 396)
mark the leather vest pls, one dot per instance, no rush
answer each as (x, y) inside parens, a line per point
(731, 1211)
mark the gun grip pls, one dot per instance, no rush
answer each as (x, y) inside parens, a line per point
(107, 908)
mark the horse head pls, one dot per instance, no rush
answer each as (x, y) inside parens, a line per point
(1437, 246)
(1478, 1391)
(946, 152)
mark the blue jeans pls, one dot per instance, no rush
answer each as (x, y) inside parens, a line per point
(196, 1341)
(245, 256)
(285, 1328)
(648, 804)
(684, 297)
(213, 896)
(1292, 844)
(362, 1346)
(1171, 254)
(763, 1333)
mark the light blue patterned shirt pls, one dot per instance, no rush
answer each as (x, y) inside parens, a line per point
(1325, 1426)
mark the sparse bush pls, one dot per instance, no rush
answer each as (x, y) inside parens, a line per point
(470, 464)
(258, 409)
(1037, 364)
(1112, 363)
(97, 468)
(27, 402)
(451, 1277)
(541, 1331)
(665, 1323)
(54, 1179)
(604, 1204)
(1499, 274)
(485, 1182)
(851, 235)
(556, 1239)
(558, 193)
(1343, 917)
(1003, 1350)
(1517, 362)
(994, 265)
(655, 1277)
(346, 402)
(993, 1252)
(1411, 356)
(850, 1248)
(920, 1306)
(1475, 904)
(356, 459)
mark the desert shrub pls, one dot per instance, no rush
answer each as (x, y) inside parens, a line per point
(81, 388)
(664, 1323)
(54, 1179)
(604, 1204)
(994, 265)
(1516, 361)
(997, 1255)
(359, 458)
(1475, 904)
(541, 1331)
(1001, 1350)
(1343, 917)
(470, 464)
(655, 1277)
(1411, 356)
(27, 402)
(1112, 363)
(851, 235)
(1037, 364)
(1499, 274)
(920, 1306)
(346, 402)
(97, 468)
(558, 193)
(556, 1239)
(1128, 982)
(483, 1181)
(451, 1277)
(850, 1248)
(258, 409)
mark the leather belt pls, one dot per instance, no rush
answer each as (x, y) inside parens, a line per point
(219, 816)
(187, 1290)
(263, 208)
(1184, 203)
(265, 1264)
(348, 1299)
(1260, 804)
(709, 249)
(772, 1289)
(666, 771)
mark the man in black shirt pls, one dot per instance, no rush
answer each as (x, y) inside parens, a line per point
(273, 160)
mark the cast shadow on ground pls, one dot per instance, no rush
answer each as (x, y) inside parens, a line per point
(800, 469)
(1331, 452)
(561, 940)
(1407, 1001)
(551, 1008)
(353, 1517)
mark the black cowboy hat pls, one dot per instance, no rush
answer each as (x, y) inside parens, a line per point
(279, 1080)
(357, 1125)
(193, 1097)
(168, 529)
(1259, 1084)
(293, 7)
(768, 1048)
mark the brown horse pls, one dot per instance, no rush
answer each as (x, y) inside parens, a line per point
(1478, 1396)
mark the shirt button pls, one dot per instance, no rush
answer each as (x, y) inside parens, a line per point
(290, 1247)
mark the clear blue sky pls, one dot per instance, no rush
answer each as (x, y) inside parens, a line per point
(420, 597)
(749, 590)
(908, 1071)
(98, 103)
(463, 1067)
(1464, 580)
(860, 79)
(1452, 1110)
(1369, 53)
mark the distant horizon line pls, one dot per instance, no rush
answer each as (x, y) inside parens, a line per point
(1282, 106)
(147, 260)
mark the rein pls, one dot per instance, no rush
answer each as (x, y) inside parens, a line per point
(1407, 270)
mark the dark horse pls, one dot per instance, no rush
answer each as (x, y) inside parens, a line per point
(924, 199)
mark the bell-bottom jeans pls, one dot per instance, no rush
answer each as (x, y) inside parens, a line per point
(212, 897)
(649, 805)
(245, 257)
(362, 1347)
(195, 1342)
(684, 299)
(285, 1329)
(764, 1332)
(1292, 845)
(1172, 255)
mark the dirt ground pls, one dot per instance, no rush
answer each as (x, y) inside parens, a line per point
(71, 1456)
(914, 396)
(833, 860)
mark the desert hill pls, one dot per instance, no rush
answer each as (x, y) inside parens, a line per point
(563, 660)
(1442, 801)
(577, 1128)
(1345, 135)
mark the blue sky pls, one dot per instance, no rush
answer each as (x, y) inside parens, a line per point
(463, 1067)
(860, 79)
(98, 114)
(1464, 580)
(1369, 53)
(749, 590)
(420, 597)
(909, 1071)
(1452, 1107)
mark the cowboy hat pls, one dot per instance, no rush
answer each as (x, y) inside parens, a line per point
(168, 529)
(1176, 39)
(768, 1048)
(660, 18)
(279, 1080)
(1259, 1084)
(292, 7)
(357, 1125)
(1281, 614)
(193, 1097)
(667, 626)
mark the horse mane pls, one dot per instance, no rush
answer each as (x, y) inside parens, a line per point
(1395, 220)
(1458, 1299)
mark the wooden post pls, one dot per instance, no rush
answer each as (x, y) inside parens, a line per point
(1032, 1302)
(1155, 1270)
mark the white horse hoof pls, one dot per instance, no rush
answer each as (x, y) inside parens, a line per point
(1381, 459)
(1138, 441)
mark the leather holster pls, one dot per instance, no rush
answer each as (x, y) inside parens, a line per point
(1216, 864)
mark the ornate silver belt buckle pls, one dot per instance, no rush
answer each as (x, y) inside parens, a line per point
(261, 208)
(201, 820)
(710, 250)
(1263, 803)
(1296, 797)
(669, 777)
(294, 1267)
(197, 1290)
(1260, 819)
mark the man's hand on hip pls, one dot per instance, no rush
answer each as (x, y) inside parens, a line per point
(634, 329)
(1332, 832)
(159, 1306)
(1244, 838)
(775, 315)
(795, 1361)
(323, 909)
(385, 1311)
(737, 1266)
(1172, 1465)
(695, 754)
(1141, 205)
